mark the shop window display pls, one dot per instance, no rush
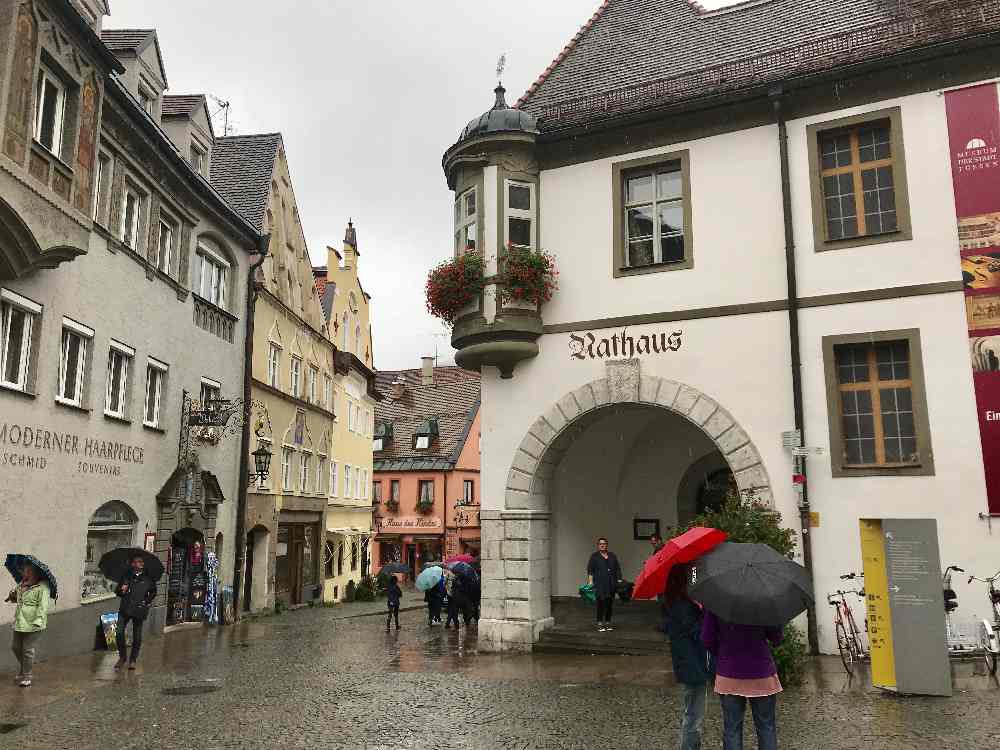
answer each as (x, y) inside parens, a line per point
(112, 526)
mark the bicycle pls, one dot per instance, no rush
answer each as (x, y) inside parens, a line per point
(989, 633)
(849, 639)
(952, 635)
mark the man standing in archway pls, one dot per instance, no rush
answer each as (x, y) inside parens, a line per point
(604, 573)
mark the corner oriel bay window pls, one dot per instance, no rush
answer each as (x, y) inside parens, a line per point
(18, 316)
(653, 214)
(119, 361)
(878, 412)
(73, 362)
(520, 214)
(858, 180)
(466, 226)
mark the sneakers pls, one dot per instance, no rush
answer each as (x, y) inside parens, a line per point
(607, 626)
(600, 627)
(25, 682)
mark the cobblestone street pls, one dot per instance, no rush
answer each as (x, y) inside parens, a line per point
(313, 678)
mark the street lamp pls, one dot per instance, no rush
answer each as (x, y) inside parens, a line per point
(261, 462)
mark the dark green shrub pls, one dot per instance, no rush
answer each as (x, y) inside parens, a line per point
(792, 656)
(350, 591)
(365, 592)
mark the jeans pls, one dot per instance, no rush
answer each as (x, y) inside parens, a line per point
(763, 710)
(604, 607)
(137, 623)
(694, 715)
(23, 646)
(393, 612)
(452, 612)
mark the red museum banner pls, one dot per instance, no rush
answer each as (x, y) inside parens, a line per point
(974, 140)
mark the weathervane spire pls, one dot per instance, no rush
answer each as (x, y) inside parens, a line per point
(501, 65)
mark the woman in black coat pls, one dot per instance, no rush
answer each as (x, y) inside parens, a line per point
(604, 573)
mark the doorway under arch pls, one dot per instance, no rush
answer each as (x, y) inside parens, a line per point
(620, 449)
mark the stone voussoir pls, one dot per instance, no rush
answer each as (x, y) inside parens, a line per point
(732, 439)
(585, 398)
(649, 388)
(602, 392)
(685, 401)
(703, 409)
(718, 423)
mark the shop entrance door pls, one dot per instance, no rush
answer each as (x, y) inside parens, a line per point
(295, 554)
(187, 581)
(248, 575)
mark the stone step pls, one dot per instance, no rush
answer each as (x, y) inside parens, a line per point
(554, 641)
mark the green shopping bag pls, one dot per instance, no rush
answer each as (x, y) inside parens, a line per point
(587, 593)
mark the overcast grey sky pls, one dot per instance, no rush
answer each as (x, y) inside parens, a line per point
(368, 95)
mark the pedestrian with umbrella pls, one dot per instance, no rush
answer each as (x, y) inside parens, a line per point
(749, 591)
(690, 658)
(429, 581)
(393, 596)
(35, 590)
(136, 572)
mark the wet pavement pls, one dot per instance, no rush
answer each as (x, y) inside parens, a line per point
(317, 679)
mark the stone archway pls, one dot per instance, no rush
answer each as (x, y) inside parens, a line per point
(516, 566)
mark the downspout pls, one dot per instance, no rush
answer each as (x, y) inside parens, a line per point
(796, 359)
(244, 480)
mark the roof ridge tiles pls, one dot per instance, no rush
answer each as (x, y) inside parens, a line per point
(563, 53)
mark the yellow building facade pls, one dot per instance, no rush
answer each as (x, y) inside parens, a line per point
(349, 511)
(292, 389)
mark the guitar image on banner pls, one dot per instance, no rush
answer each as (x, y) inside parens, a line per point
(981, 271)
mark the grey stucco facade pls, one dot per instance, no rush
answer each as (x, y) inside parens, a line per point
(63, 459)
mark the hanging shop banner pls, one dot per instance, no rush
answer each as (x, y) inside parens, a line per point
(974, 138)
(905, 606)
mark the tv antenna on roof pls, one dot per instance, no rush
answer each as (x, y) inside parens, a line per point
(224, 108)
(501, 66)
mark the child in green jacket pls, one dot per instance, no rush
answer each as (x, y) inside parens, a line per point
(30, 618)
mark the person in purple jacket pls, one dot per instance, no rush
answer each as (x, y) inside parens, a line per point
(744, 670)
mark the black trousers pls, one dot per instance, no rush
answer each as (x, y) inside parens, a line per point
(434, 610)
(137, 623)
(393, 613)
(452, 611)
(604, 607)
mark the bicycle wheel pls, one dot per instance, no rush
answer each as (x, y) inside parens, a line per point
(987, 641)
(845, 646)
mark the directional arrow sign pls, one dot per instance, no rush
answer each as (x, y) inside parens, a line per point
(889, 536)
(894, 589)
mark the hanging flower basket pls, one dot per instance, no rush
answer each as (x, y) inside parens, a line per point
(425, 507)
(392, 505)
(527, 275)
(454, 285)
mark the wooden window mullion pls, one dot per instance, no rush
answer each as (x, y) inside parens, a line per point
(876, 407)
(859, 193)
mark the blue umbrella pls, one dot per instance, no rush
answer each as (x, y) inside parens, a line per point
(429, 578)
(16, 562)
(462, 569)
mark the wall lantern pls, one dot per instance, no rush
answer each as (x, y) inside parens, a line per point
(262, 464)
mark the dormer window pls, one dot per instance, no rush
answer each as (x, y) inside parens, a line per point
(199, 159)
(425, 434)
(382, 436)
(147, 99)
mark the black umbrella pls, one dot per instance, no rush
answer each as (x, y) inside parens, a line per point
(116, 563)
(750, 584)
(393, 567)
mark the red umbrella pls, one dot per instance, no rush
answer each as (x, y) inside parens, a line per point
(461, 558)
(681, 549)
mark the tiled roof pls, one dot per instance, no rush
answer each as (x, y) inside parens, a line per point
(319, 279)
(452, 400)
(636, 55)
(242, 166)
(185, 104)
(126, 40)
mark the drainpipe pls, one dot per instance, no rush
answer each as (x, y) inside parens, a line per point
(244, 480)
(793, 337)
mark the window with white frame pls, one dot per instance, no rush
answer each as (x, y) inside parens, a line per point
(344, 326)
(313, 377)
(18, 316)
(468, 491)
(102, 187)
(296, 373)
(147, 99)
(156, 377)
(165, 245)
(211, 390)
(320, 476)
(347, 481)
(131, 211)
(327, 392)
(116, 396)
(519, 226)
(286, 469)
(212, 278)
(465, 222)
(76, 340)
(274, 366)
(50, 110)
(364, 483)
(304, 473)
(333, 478)
(350, 416)
(199, 157)
(357, 341)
